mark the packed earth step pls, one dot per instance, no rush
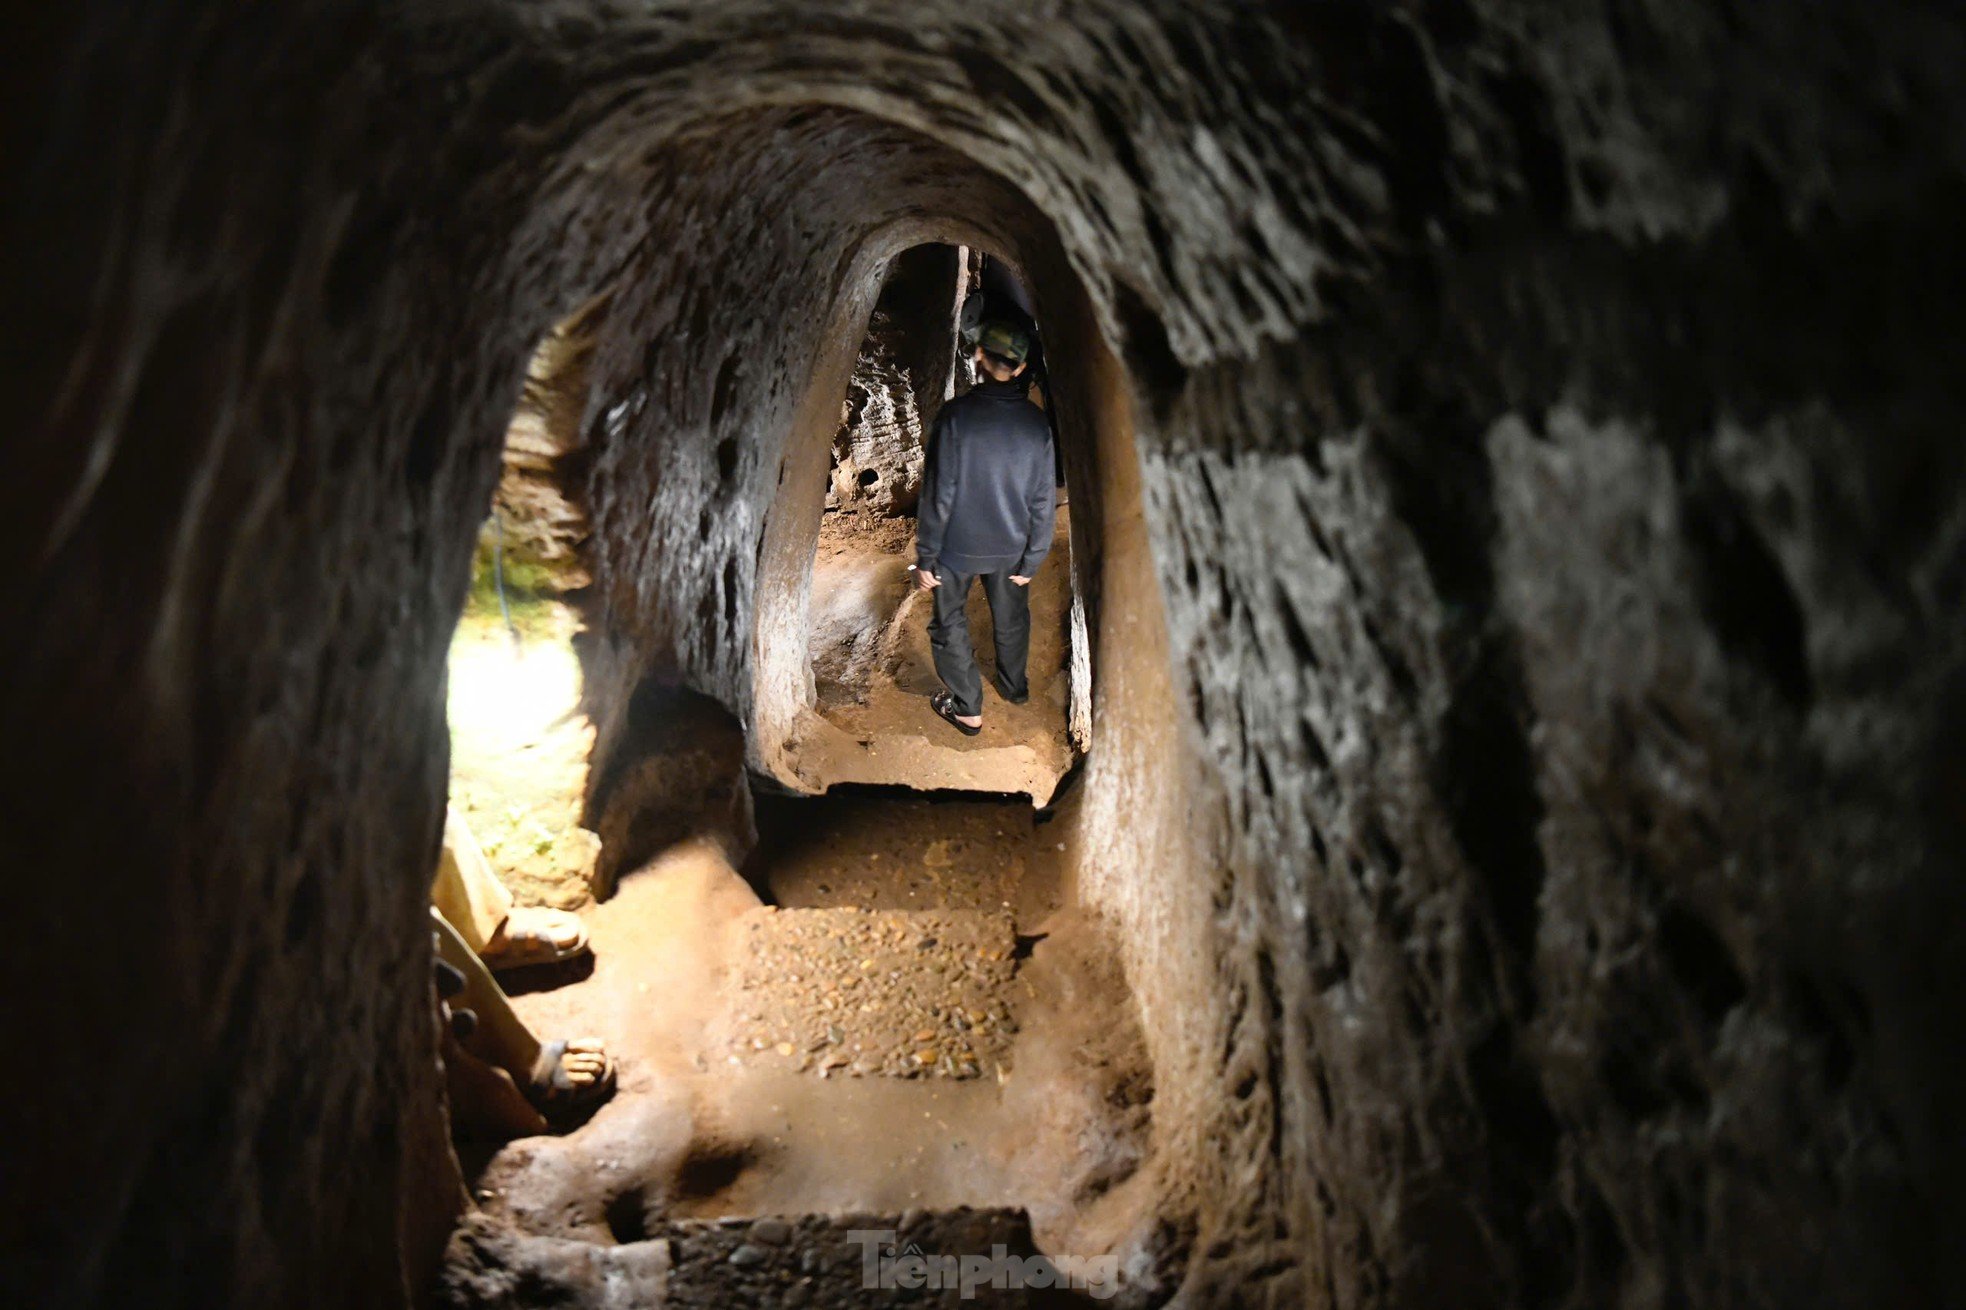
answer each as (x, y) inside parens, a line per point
(855, 992)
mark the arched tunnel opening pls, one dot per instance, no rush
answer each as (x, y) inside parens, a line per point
(868, 994)
(851, 707)
(1493, 835)
(870, 642)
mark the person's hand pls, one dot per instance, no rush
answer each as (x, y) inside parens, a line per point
(926, 579)
(1022, 582)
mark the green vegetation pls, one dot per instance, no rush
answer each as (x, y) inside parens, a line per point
(532, 592)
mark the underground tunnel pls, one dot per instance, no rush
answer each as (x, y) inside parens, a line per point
(1487, 827)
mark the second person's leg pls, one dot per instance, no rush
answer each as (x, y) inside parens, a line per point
(557, 1078)
(501, 1037)
(465, 891)
(468, 894)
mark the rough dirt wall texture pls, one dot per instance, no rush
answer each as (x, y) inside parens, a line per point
(877, 455)
(539, 516)
(1554, 479)
(265, 362)
(1578, 600)
(898, 381)
(700, 384)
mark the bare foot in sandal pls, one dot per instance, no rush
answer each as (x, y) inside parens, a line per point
(532, 935)
(945, 705)
(570, 1080)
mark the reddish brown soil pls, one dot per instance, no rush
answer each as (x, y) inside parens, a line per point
(697, 1131)
(874, 672)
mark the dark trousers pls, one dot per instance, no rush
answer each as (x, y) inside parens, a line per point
(948, 633)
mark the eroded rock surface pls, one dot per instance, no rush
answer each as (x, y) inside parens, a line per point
(877, 456)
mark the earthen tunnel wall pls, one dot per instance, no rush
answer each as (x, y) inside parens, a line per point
(1546, 426)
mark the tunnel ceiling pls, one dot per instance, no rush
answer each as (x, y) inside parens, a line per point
(1538, 428)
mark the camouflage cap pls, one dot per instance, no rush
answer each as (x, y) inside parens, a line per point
(1005, 341)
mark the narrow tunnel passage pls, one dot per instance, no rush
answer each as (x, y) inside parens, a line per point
(872, 667)
(1516, 529)
(877, 1007)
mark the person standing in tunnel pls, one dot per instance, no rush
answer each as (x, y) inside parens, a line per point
(986, 512)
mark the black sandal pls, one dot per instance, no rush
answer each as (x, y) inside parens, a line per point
(945, 705)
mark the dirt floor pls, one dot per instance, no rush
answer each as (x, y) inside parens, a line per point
(885, 1012)
(914, 1027)
(873, 672)
(519, 748)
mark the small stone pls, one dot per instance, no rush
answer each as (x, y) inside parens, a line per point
(785, 1048)
(748, 1256)
(771, 1231)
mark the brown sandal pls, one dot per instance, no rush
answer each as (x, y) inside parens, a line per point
(530, 935)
